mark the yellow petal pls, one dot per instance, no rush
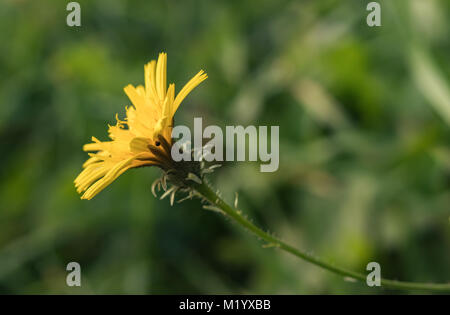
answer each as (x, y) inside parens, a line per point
(196, 80)
(150, 81)
(167, 107)
(110, 176)
(140, 90)
(139, 144)
(159, 126)
(83, 182)
(135, 98)
(161, 72)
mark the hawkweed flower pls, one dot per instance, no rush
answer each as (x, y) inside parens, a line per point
(143, 138)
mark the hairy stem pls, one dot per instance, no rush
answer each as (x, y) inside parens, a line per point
(204, 190)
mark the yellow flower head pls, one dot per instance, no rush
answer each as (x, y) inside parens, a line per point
(143, 138)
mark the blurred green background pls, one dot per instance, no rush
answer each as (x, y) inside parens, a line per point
(364, 117)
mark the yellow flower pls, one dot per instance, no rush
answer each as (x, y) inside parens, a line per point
(143, 138)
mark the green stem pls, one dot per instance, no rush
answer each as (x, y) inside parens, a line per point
(216, 201)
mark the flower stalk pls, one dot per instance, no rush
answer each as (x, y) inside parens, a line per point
(216, 202)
